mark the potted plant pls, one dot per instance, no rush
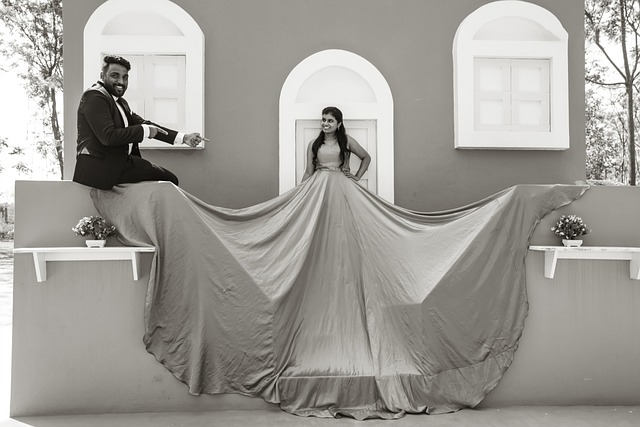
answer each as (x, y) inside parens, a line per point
(97, 228)
(569, 227)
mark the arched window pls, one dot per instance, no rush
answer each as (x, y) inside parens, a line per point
(166, 49)
(351, 83)
(510, 63)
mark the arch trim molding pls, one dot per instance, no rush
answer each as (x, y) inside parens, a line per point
(381, 111)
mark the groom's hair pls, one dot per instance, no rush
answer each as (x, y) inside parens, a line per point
(115, 59)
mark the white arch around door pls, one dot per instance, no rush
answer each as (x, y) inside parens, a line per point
(371, 101)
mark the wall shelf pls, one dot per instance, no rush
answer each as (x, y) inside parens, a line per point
(553, 253)
(42, 255)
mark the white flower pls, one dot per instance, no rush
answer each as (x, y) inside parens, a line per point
(94, 226)
(570, 227)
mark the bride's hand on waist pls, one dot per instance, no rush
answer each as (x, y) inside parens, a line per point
(350, 175)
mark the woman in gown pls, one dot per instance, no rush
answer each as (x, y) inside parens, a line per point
(329, 300)
(332, 148)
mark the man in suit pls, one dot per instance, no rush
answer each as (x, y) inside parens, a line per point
(109, 134)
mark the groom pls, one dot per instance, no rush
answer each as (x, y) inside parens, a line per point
(109, 134)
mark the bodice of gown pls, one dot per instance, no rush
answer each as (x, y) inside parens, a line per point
(329, 156)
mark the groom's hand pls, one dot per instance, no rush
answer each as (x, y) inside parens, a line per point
(153, 131)
(193, 139)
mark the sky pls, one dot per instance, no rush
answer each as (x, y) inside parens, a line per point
(14, 126)
(17, 123)
(19, 126)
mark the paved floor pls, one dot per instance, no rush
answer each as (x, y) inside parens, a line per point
(583, 416)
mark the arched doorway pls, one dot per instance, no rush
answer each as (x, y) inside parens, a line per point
(353, 84)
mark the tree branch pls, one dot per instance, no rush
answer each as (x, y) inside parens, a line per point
(599, 83)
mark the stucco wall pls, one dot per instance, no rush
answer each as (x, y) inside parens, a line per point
(77, 338)
(251, 46)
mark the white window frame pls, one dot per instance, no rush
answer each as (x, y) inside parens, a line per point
(146, 94)
(476, 38)
(509, 97)
(186, 38)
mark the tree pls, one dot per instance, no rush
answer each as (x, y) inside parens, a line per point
(36, 29)
(17, 154)
(3, 145)
(603, 156)
(613, 26)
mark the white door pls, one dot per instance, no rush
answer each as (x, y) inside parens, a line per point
(363, 131)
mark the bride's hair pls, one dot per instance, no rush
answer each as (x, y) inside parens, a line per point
(341, 134)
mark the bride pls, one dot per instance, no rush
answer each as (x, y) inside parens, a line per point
(329, 300)
(333, 146)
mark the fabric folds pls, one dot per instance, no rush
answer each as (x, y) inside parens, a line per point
(329, 300)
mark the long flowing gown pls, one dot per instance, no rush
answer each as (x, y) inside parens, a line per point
(331, 301)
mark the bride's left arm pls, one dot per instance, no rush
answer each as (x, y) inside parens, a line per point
(365, 158)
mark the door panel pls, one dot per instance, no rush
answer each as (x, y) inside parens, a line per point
(363, 131)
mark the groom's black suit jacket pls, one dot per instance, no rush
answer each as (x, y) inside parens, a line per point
(103, 139)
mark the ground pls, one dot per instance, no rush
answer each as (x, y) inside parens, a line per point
(6, 313)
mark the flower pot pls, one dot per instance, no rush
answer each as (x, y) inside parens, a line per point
(95, 243)
(571, 243)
